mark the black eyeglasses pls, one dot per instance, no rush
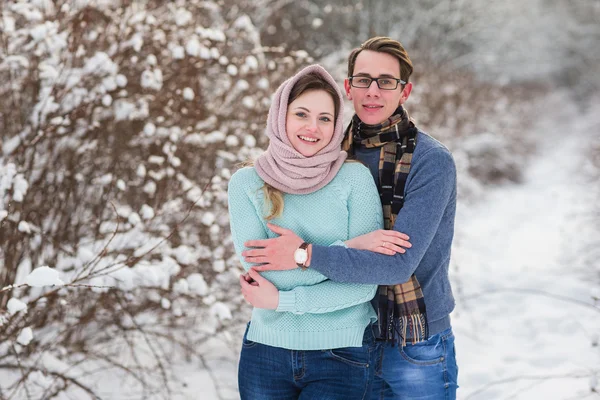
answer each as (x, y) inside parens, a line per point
(382, 83)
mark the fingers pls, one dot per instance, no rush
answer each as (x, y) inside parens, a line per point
(256, 276)
(277, 229)
(258, 243)
(254, 253)
(395, 234)
(266, 267)
(395, 248)
(384, 250)
(395, 240)
(249, 279)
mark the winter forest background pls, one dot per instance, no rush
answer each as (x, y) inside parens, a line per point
(121, 122)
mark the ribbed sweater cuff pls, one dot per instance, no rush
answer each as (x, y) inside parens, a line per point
(287, 301)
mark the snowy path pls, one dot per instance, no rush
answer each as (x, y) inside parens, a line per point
(522, 344)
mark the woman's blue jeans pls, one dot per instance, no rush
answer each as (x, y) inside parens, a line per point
(273, 373)
(423, 371)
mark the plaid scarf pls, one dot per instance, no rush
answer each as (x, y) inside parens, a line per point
(401, 308)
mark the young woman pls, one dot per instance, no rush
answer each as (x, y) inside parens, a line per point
(309, 337)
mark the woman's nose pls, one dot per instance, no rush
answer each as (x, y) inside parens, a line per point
(311, 126)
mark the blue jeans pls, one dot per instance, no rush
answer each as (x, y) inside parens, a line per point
(274, 373)
(423, 371)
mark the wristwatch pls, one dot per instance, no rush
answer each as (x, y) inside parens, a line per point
(301, 256)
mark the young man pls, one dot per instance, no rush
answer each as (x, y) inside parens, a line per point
(416, 179)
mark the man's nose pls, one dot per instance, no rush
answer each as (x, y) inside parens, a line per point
(373, 89)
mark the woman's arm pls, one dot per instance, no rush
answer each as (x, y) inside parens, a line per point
(382, 241)
(364, 216)
(243, 219)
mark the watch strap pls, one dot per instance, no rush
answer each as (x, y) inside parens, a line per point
(303, 246)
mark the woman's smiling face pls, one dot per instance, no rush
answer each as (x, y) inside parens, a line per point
(310, 122)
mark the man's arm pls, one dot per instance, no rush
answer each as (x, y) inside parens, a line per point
(430, 190)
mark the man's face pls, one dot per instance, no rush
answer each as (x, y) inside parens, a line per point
(374, 105)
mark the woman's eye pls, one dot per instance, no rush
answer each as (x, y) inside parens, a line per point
(301, 114)
(325, 119)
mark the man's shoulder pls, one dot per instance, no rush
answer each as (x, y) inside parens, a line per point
(427, 143)
(432, 156)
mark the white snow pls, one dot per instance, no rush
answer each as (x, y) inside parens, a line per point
(24, 227)
(147, 212)
(221, 310)
(197, 284)
(178, 52)
(188, 94)
(121, 185)
(149, 129)
(208, 218)
(107, 100)
(43, 276)
(25, 336)
(516, 256)
(150, 187)
(232, 70)
(15, 305)
(249, 141)
(152, 79)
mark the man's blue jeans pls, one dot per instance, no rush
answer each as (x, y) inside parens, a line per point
(273, 373)
(423, 371)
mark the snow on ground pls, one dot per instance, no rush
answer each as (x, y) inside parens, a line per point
(527, 342)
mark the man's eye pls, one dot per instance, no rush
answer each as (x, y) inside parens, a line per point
(385, 82)
(364, 80)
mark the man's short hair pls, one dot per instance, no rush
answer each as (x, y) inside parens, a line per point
(387, 45)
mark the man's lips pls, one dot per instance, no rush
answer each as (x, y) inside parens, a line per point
(372, 107)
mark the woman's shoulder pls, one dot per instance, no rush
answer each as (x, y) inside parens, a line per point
(246, 176)
(354, 170)
(354, 174)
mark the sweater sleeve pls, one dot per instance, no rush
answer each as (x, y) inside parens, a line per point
(431, 189)
(364, 216)
(244, 221)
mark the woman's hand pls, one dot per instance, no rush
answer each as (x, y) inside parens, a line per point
(258, 291)
(381, 241)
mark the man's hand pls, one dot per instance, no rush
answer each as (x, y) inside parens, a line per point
(276, 253)
(258, 291)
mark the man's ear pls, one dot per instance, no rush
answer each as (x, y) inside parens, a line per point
(405, 93)
(347, 87)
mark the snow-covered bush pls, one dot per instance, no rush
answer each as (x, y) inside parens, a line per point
(121, 123)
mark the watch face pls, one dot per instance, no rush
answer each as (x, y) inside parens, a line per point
(300, 256)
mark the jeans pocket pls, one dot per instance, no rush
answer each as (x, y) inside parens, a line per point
(245, 342)
(354, 356)
(428, 352)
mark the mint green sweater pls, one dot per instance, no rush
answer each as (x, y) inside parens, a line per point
(314, 313)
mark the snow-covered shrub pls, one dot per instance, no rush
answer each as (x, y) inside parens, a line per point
(121, 123)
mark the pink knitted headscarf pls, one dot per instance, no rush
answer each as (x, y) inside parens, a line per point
(284, 168)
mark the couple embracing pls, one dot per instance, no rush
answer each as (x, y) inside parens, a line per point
(346, 236)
